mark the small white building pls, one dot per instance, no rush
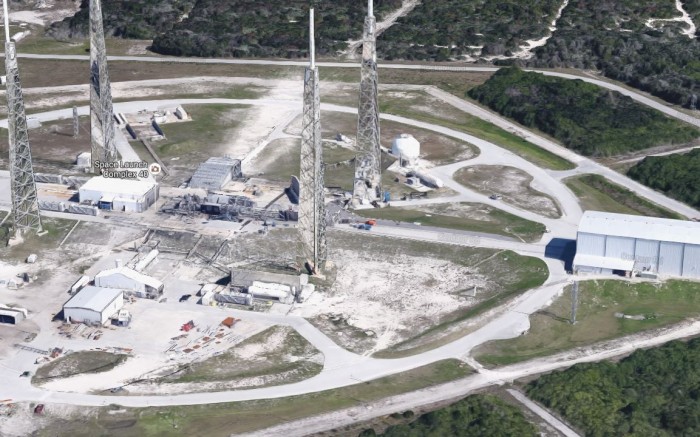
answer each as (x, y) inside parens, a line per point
(84, 160)
(93, 305)
(406, 148)
(134, 195)
(609, 243)
(12, 315)
(130, 280)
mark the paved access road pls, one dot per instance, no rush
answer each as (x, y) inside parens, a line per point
(636, 95)
(343, 368)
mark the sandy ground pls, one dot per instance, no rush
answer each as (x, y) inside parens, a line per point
(151, 354)
(46, 12)
(388, 297)
(514, 185)
(246, 355)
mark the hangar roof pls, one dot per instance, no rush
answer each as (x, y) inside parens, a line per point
(634, 226)
(131, 274)
(93, 298)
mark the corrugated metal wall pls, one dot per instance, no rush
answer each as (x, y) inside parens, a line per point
(82, 315)
(691, 261)
(590, 244)
(671, 258)
(619, 247)
(646, 254)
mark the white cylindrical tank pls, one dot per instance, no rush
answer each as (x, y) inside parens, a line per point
(406, 146)
(269, 293)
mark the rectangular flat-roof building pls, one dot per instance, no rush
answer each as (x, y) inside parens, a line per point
(608, 242)
(93, 305)
(134, 195)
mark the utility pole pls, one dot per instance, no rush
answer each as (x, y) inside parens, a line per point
(368, 161)
(312, 209)
(25, 204)
(101, 111)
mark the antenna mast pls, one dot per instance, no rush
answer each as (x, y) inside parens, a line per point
(312, 210)
(368, 161)
(25, 204)
(101, 111)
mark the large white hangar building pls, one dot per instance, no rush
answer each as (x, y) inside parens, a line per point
(609, 243)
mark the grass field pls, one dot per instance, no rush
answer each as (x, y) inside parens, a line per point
(514, 185)
(56, 230)
(498, 222)
(284, 362)
(231, 418)
(597, 193)
(77, 363)
(599, 301)
(466, 123)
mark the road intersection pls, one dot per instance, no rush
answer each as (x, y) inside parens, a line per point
(343, 368)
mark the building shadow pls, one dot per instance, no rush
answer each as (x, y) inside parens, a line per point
(563, 250)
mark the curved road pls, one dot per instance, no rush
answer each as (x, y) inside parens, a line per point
(343, 368)
(638, 96)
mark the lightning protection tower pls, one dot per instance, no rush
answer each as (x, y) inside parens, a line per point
(25, 205)
(101, 111)
(312, 211)
(368, 166)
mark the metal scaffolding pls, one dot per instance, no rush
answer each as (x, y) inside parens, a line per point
(368, 163)
(312, 215)
(101, 111)
(25, 205)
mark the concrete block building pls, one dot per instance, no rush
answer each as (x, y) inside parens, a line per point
(610, 243)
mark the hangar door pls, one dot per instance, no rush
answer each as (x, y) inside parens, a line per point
(670, 258)
(691, 261)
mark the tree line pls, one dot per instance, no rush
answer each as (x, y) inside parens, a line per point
(588, 119)
(654, 392)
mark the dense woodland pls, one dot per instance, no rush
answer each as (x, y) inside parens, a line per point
(587, 119)
(676, 175)
(139, 19)
(444, 29)
(230, 28)
(653, 392)
(611, 36)
(474, 416)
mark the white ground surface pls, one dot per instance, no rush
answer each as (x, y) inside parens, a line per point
(392, 295)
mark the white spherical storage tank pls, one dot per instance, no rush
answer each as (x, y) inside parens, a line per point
(406, 147)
